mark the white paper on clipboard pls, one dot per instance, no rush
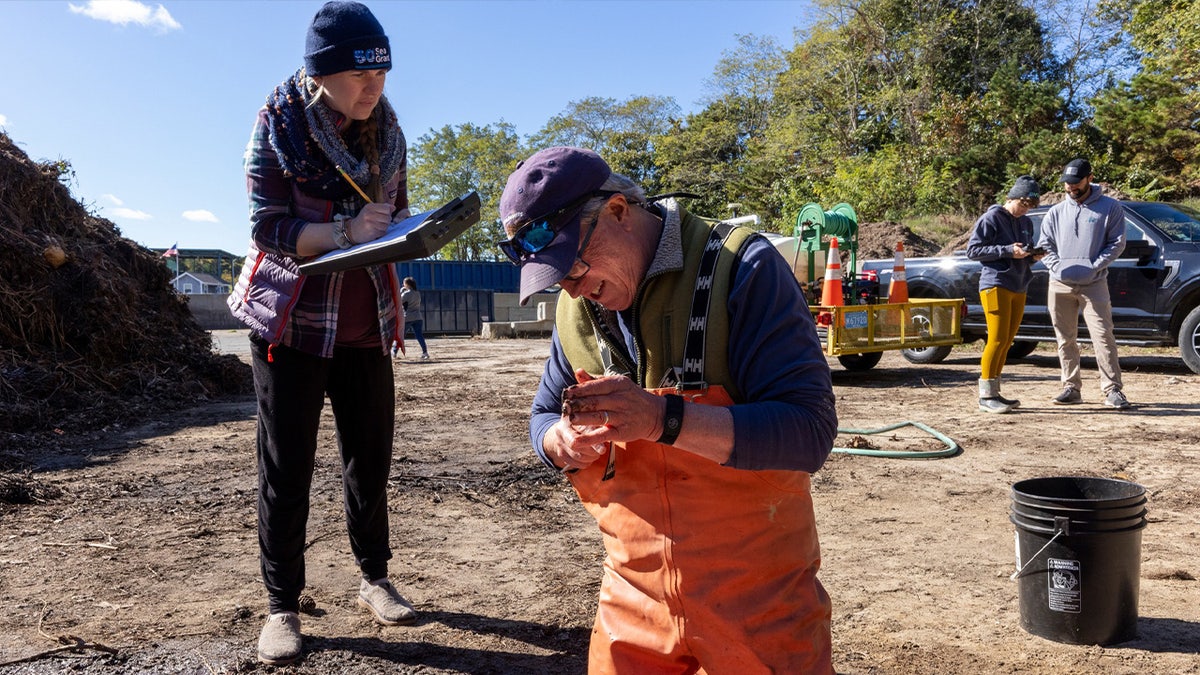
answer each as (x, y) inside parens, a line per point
(414, 237)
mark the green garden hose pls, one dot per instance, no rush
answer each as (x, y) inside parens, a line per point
(950, 450)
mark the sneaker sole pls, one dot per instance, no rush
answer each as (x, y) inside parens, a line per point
(1056, 402)
(379, 619)
(283, 661)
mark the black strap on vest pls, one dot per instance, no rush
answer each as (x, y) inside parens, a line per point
(692, 377)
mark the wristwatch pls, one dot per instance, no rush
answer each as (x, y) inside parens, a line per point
(340, 236)
(672, 420)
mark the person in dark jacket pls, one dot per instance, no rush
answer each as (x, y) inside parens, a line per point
(1002, 239)
(687, 399)
(325, 169)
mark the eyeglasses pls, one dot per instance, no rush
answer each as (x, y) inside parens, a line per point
(581, 267)
(537, 234)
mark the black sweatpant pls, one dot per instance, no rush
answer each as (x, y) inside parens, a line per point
(291, 392)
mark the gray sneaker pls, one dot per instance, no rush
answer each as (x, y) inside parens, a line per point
(1069, 396)
(279, 641)
(1116, 399)
(385, 603)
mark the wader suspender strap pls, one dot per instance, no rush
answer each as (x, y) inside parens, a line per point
(692, 377)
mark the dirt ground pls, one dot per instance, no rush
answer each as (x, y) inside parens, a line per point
(140, 555)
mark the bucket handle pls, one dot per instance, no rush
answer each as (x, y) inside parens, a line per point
(1062, 525)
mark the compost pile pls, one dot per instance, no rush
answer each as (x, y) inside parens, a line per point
(91, 331)
(878, 241)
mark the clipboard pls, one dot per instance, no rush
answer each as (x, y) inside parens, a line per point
(414, 237)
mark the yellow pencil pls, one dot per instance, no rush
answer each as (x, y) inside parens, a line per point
(353, 184)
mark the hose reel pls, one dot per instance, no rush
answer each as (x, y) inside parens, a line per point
(813, 228)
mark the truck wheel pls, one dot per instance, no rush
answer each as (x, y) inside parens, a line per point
(860, 362)
(1189, 340)
(1020, 349)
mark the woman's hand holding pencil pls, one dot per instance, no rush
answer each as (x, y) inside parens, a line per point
(370, 223)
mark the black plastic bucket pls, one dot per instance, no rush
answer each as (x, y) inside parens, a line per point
(1078, 547)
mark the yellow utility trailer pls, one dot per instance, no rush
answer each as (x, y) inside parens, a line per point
(859, 334)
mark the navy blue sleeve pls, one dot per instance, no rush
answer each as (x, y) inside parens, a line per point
(547, 403)
(982, 244)
(788, 419)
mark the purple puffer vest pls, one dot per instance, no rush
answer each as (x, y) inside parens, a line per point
(269, 286)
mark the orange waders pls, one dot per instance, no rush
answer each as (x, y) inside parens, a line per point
(709, 569)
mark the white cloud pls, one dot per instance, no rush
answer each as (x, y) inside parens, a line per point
(3, 120)
(114, 199)
(200, 216)
(130, 214)
(124, 12)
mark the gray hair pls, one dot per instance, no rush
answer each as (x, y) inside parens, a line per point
(616, 182)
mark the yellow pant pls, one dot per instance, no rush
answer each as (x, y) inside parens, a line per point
(1003, 311)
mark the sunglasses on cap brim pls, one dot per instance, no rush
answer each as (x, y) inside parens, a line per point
(537, 234)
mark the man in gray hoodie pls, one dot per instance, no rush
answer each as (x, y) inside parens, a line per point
(1082, 235)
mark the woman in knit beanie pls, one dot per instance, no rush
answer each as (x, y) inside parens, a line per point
(1002, 240)
(326, 168)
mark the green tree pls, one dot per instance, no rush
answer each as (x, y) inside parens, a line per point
(714, 153)
(906, 107)
(453, 161)
(1150, 123)
(625, 133)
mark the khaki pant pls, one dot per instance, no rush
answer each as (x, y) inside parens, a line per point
(1065, 303)
(710, 570)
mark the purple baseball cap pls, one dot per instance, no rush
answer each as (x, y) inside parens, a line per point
(548, 181)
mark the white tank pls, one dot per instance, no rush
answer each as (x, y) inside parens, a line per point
(797, 259)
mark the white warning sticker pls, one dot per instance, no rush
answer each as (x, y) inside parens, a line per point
(1064, 580)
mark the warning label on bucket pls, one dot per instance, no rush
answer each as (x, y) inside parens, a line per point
(1064, 581)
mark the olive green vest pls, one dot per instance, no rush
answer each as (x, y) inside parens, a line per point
(661, 313)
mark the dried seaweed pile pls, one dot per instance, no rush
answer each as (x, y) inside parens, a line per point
(91, 331)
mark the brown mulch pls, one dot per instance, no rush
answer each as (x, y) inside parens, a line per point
(91, 331)
(878, 240)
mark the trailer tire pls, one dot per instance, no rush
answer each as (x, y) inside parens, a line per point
(1020, 349)
(925, 355)
(1189, 340)
(860, 362)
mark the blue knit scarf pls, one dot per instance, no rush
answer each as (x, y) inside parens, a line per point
(306, 139)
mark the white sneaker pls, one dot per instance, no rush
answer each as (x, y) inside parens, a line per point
(279, 641)
(385, 603)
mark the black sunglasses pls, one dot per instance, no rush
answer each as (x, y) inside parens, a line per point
(539, 232)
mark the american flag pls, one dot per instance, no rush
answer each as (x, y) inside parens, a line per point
(172, 252)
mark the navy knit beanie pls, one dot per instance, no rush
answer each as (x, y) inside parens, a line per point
(345, 36)
(1026, 187)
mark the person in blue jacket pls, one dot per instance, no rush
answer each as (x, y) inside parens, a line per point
(687, 400)
(1002, 240)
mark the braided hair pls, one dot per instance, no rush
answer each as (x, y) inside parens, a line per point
(368, 143)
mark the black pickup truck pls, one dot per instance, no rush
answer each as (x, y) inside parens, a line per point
(1155, 286)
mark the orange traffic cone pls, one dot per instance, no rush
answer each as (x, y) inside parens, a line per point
(898, 289)
(831, 287)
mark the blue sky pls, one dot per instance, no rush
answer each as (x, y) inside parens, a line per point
(152, 103)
